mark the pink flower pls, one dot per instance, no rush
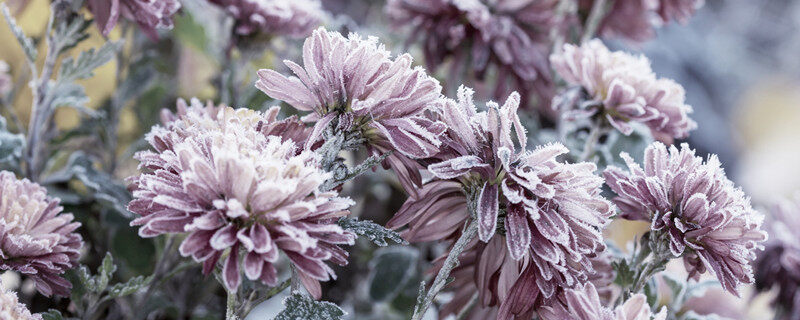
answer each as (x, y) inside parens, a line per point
(149, 14)
(678, 10)
(583, 303)
(550, 214)
(779, 265)
(694, 208)
(241, 194)
(626, 90)
(296, 18)
(11, 308)
(636, 20)
(35, 238)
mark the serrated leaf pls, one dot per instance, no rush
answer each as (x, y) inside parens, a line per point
(26, 43)
(52, 314)
(132, 286)
(104, 272)
(72, 95)
(299, 306)
(105, 189)
(83, 67)
(373, 231)
(390, 269)
(11, 146)
(70, 32)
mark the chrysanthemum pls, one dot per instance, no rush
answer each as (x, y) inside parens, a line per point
(678, 10)
(694, 207)
(12, 309)
(548, 213)
(636, 20)
(5, 79)
(583, 303)
(477, 34)
(296, 18)
(779, 265)
(624, 89)
(36, 239)
(148, 14)
(354, 81)
(241, 194)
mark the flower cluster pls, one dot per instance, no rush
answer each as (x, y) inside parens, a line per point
(11, 308)
(583, 303)
(694, 208)
(148, 14)
(550, 214)
(5, 79)
(242, 192)
(513, 35)
(624, 89)
(36, 239)
(635, 20)
(779, 264)
(296, 18)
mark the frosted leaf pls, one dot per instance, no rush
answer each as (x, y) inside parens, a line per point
(373, 231)
(299, 306)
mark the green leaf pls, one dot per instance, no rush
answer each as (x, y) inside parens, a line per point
(26, 43)
(105, 189)
(133, 285)
(70, 32)
(651, 291)
(104, 272)
(373, 231)
(87, 61)
(52, 314)
(11, 146)
(391, 269)
(72, 95)
(299, 306)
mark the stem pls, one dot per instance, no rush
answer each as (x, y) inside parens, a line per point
(468, 307)
(116, 105)
(594, 19)
(591, 141)
(160, 262)
(269, 294)
(295, 281)
(449, 264)
(230, 311)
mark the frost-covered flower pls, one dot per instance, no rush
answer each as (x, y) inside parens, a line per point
(509, 34)
(583, 303)
(550, 214)
(694, 208)
(36, 239)
(5, 79)
(296, 18)
(624, 89)
(148, 14)
(12, 309)
(354, 81)
(636, 20)
(242, 194)
(678, 10)
(779, 265)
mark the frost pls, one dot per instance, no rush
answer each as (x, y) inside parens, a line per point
(373, 231)
(299, 306)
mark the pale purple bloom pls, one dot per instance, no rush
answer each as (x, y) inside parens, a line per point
(5, 79)
(12, 309)
(354, 81)
(583, 303)
(693, 206)
(779, 265)
(512, 35)
(295, 18)
(219, 175)
(36, 239)
(550, 213)
(635, 20)
(148, 14)
(678, 10)
(624, 89)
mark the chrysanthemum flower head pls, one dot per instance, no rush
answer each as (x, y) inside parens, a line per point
(36, 239)
(693, 206)
(779, 264)
(550, 213)
(240, 193)
(636, 20)
(625, 90)
(583, 303)
(148, 14)
(11, 308)
(296, 18)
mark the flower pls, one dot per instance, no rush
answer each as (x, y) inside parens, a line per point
(779, 265)
(694, 208)
(512, 35)
(353, 81)
(149, 14)
(296, 18)
(583, 303)
(678, 10)
(5, 79)
(241, 194)
(551, 213)
(36, 239)
(11, 308)
(635, 20)
(625, 90)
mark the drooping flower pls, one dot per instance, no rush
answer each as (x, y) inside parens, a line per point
(779, 265)
(36, 239)
(624, 89)
(693, 207)
(5, 79)
(583, 303)
(148, 14)
(635, 20)
(11, 308)
(296, 18)
(239, 189)
(511, 35)
(354, 81)
(549, 214)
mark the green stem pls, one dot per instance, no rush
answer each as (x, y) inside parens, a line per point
(230, 309)
(590, 145)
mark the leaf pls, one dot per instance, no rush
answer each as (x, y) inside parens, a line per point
(87, 61)
(72, 95)
(132, 286)
(105, 189)
(373, 231)
(104, 272)
(11, 146)
(677, 286)
(26, 43)
(52, 314)
(391, 269)
(651, 291)
(70, 32)
(299, 306)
